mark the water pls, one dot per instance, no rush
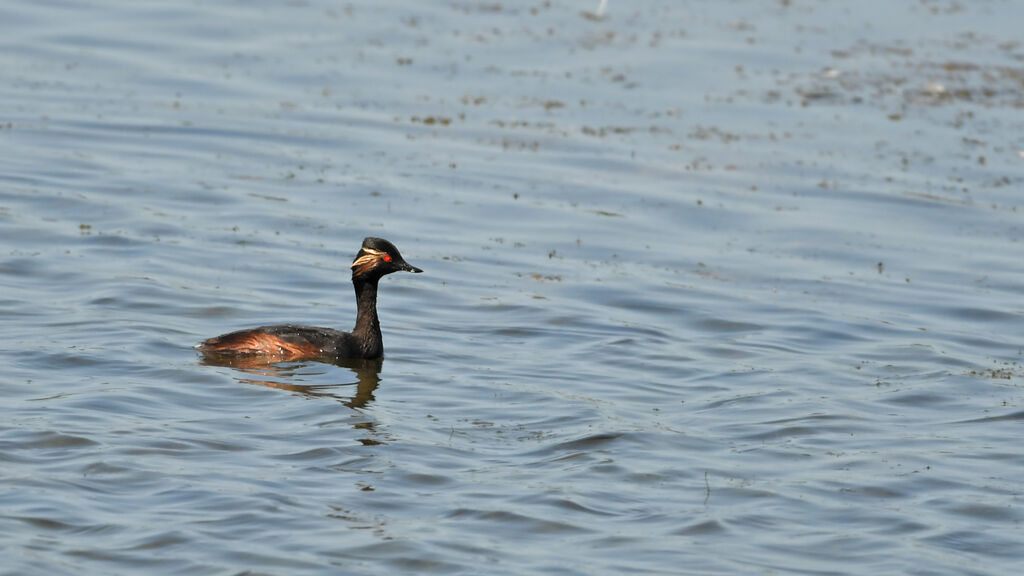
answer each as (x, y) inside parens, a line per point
(709, 287)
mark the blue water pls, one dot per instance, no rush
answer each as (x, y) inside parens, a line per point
(710, 288)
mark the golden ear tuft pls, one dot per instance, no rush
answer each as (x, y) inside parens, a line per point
(368, 260)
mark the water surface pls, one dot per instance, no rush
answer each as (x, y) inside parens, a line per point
(709, 287)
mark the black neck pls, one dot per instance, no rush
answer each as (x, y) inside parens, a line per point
(367, 329)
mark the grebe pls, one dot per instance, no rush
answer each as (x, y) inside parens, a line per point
(289, 342)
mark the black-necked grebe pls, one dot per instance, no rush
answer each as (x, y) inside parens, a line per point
(290, 342)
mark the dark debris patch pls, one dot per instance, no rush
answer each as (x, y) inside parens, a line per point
(1006, 372)
(432, 120)
(917, 83)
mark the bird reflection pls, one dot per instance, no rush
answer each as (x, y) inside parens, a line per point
(284, 375)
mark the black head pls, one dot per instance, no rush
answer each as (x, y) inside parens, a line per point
(378, 257)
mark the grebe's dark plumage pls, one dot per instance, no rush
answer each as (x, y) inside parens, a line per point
(290, 342)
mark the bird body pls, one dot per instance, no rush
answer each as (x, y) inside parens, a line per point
(291, 342)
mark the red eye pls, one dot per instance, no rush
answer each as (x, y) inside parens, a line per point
(386, 257)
